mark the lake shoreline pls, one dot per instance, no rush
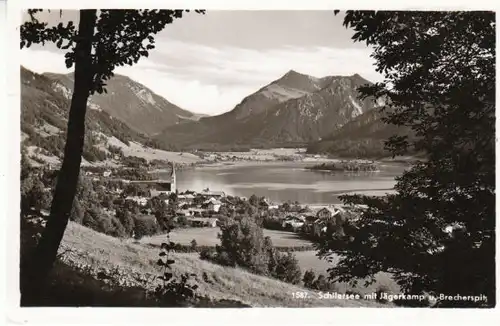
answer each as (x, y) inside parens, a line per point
(282, 182)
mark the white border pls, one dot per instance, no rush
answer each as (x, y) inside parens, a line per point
(9, 195)
(261, 4)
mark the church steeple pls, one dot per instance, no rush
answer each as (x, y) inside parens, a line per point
(173, 180)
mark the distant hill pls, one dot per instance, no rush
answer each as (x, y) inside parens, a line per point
(131, 102)
(294, 110)
(364, 137)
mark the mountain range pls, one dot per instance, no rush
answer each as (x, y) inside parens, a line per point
(364, 136)
(131, 102)
(294, 110)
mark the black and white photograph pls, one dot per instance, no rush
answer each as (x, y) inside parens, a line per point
(210, 158)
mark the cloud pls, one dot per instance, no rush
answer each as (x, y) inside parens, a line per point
(213, 80)
(43, 60)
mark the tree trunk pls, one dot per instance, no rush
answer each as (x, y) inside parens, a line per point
(45, 254)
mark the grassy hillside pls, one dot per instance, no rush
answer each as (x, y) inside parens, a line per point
(307, 258)
(85, 248)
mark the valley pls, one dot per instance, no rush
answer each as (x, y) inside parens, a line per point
(253, 158)
(261, 150)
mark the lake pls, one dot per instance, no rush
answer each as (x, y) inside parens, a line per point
(283, 181)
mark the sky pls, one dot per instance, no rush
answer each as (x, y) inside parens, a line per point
(209, 63)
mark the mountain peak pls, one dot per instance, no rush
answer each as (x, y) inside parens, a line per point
(360, 79)
(294, 79)
(295, 73)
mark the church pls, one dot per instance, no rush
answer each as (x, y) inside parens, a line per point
(166, 184)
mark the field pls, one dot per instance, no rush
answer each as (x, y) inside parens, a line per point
(149, 154)
(208, 237)
(88, 247)
(307, 259)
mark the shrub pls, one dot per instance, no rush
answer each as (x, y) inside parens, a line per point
(92, 153)
(208, 254)
(308, 278)
(182, 221)
(194, 244)
(322, 284)
(242, 244)
(117, 229)
(144, 226)
(115, 150)
(126, 220)
(272, 223)
(134, 162)
(287, 268)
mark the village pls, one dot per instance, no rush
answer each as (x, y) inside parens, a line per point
(209, 208)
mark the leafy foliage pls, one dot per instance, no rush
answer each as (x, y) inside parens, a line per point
(145, 226)
(287, 268)
(243, 244)
(103, 42)
(173, 291)
(308, 278)
(437, 233)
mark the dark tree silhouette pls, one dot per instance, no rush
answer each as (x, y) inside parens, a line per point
(103, 41)
(437, 233)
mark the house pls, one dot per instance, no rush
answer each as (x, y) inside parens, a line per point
(322, 217)
(197, 212)
(310, 219)
(146, 211)
(293, 221)
(186, 198)
(327, 212)
(183, 205)
(212, 204)
(142, 201)
(268, 205)
(184, 212)
(215, 194)
(229, 204)
(273, 206)
(204, 222)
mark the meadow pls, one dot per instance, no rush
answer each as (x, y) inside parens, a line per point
(82, 246)
(307, 259)
(208, 237)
